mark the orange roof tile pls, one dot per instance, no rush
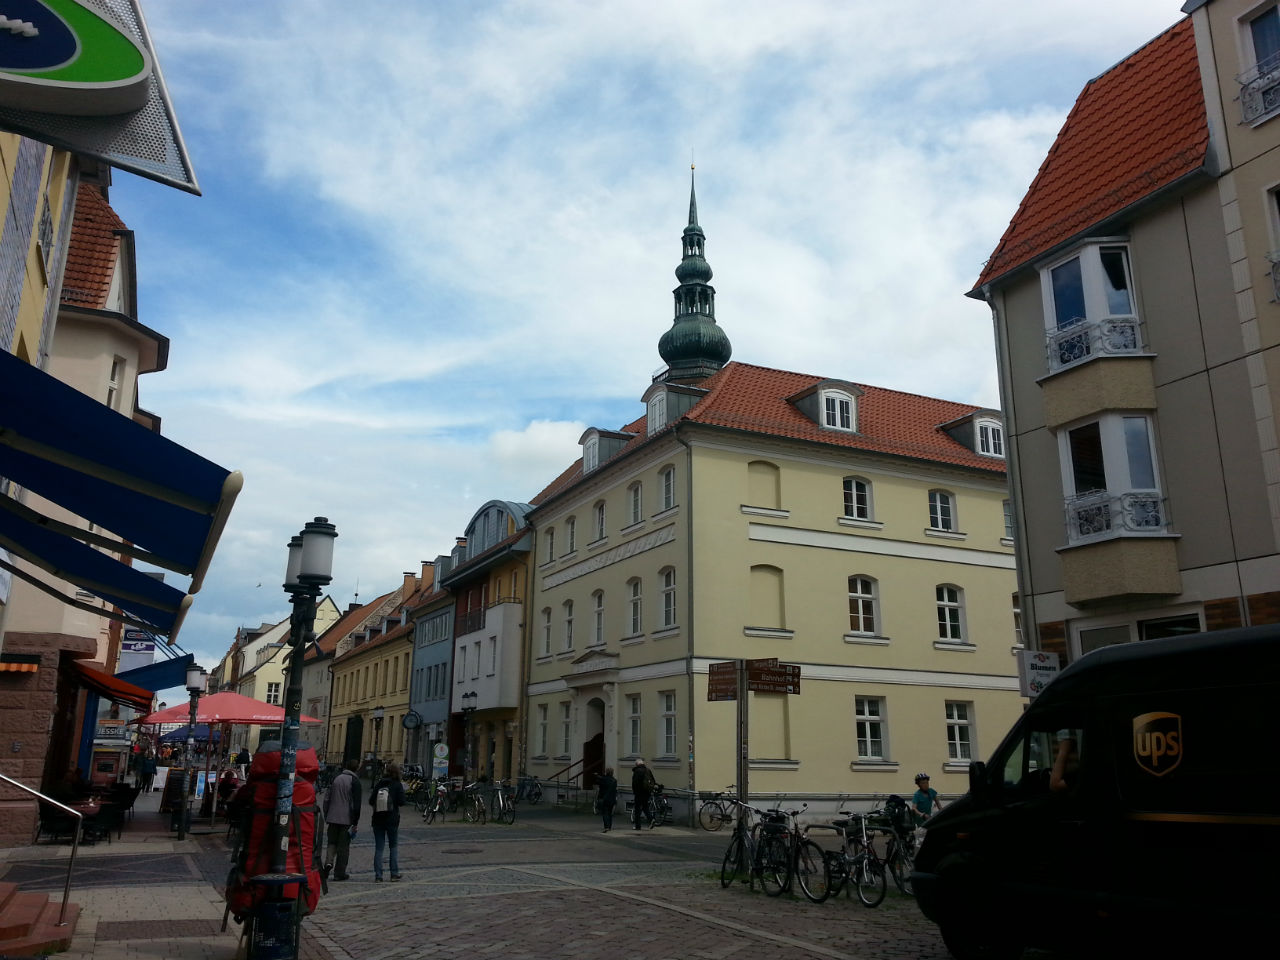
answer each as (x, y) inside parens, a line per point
(755, 400)
(1133, 130)
(93, 250)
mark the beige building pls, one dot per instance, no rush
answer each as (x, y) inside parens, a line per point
(1137, 328)
(859, 533)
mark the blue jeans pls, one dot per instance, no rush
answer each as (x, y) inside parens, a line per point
(388, 833)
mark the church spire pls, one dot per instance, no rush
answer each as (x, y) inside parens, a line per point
(694, 347)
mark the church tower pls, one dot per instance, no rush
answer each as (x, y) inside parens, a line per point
(695, 347)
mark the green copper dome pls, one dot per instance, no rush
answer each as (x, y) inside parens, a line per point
(695, 347)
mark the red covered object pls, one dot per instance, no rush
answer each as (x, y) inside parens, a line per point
(256, 806)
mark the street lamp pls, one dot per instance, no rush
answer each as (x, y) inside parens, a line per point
(376, 713)
(197, 679)
(309, 568)
(468, 708)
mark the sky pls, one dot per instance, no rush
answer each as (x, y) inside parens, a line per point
(436, 241)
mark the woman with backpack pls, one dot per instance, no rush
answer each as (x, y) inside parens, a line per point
(387, 797)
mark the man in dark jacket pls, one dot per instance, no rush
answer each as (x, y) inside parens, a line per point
(342, 814)
(642, 787)
(607, 797)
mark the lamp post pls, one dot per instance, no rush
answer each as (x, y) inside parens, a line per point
(197, 678)
(468, 708)
(377, 714)
(310, 567)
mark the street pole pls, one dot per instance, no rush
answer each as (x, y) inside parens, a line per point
(310, 567)
(196, 680)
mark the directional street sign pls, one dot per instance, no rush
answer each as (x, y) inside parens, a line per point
(722, 681)
(775, 678)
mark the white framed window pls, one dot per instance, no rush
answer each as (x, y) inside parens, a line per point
(635, 606)
(566, 728)
(546, 631)
(657, 414)
(114, 379)
(493, 656)
(273, 693)
(462, 662)
(542, 729)
(668, 732)
(869, 727)
(837, 410)
(1110, 479)
(668, 476)
(551, 543)
(1091, 634)
(1007, 507)
(634, 725)
(568, 624)
(600, 520)
(857, 498)
(942, 511)
(991, 438)
(1089, 306)
(590, 454)
(668, 576)
(571, 535)
(862, 605)
(1017, 620)
(635, 503)
(959, 730)
(950, 612)
(475, 669)
(597, 618)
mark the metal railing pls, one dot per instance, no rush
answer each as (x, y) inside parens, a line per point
(1260, 89)
(1082, 339)
(1101, 514)
(75, 839)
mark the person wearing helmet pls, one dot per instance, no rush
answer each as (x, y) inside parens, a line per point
(925, 799)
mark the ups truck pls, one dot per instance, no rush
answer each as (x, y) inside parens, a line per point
(1135, 806)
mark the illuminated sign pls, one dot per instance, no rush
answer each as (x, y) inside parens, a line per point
(63, 57)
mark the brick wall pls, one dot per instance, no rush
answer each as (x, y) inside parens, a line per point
(1222, 614)
(1264, 608)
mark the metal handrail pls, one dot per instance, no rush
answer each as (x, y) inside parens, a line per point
(75, 840)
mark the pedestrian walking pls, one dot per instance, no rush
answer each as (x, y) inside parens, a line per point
(607, 797)
(146, 771)
(342, 814)
(387, 799)
(642, 784)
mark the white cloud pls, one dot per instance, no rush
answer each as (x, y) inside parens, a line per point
(437, 241)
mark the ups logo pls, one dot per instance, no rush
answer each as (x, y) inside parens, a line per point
(1157, 742)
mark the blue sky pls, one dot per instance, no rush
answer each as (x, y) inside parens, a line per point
(436, 241)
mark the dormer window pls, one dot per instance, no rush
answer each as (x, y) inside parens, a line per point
(990, 438)
(837, 410)
(657, 416)
(590, 454)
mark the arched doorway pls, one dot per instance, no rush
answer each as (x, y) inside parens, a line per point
(593, 759)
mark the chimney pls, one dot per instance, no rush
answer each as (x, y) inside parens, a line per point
(410, 585)
(428, 572)
(461, 542)
(353, 605)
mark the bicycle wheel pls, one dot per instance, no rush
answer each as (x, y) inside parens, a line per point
(732, 862)
(482, 813)
(775, 865)
(429, 815)
(811, 872)
(508, 814)
(836, 872)
(711, 816)
(535, 793)
(900, 865)
(868, 876)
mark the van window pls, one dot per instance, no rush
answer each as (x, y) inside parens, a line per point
(1045, 757)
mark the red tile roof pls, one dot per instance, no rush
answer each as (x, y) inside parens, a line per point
(93, 251)
(755, 400)
(1133, 130)
(347, 624)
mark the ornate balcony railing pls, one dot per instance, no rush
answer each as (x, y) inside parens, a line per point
(1110, 336)
(1260, 89)
(1101, 515)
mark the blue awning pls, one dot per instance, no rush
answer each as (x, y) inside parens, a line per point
(161, 675)
(168, 504)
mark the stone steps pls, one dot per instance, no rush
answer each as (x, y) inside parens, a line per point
(29, 923)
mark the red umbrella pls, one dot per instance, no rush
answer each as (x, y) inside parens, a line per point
(225, 707)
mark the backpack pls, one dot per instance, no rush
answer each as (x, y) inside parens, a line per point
(382, 800)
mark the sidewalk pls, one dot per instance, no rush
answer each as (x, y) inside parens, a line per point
(144, 894)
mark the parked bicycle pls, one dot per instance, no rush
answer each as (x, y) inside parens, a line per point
(528, 789)
(895, 820)
(474, 809)
(806, 863)
(503, 801)
(855, 862)
(442, 800)
(658, 807)
(747, 855)
(716, 811)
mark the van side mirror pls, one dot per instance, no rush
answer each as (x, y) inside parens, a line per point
(978, 785)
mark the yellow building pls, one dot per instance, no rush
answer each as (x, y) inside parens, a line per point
(860, 533)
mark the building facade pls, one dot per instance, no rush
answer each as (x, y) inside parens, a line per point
(856, 532)
(1136, 327)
